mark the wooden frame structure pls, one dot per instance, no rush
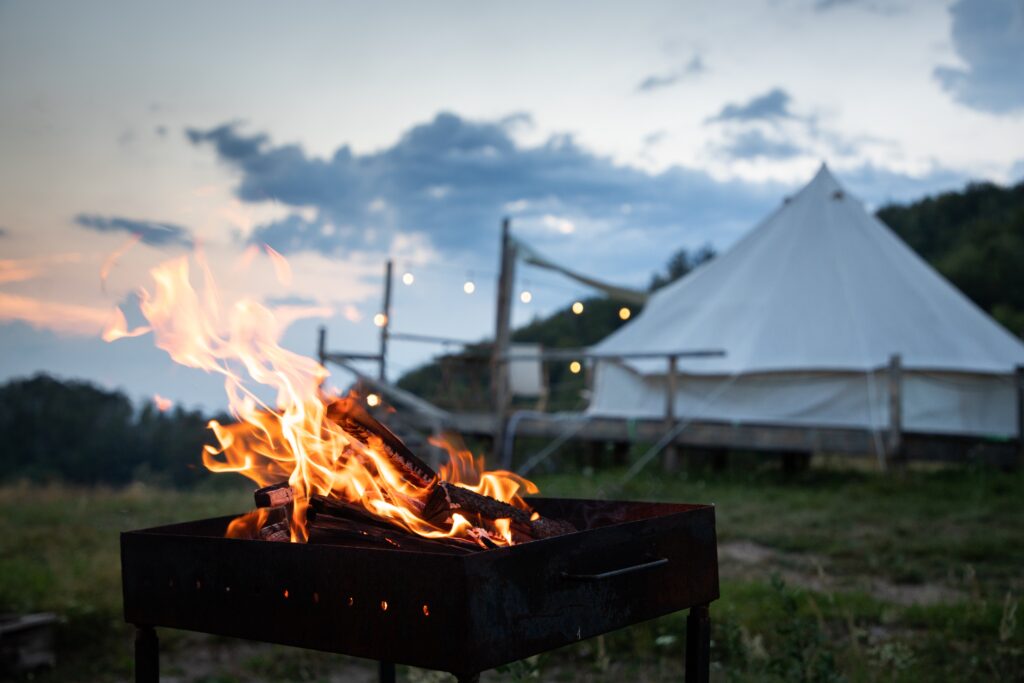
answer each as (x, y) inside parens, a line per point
(892, 445)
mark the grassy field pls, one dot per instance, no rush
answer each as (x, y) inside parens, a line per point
(827, 575)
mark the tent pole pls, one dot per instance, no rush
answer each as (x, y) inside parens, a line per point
(670, 459)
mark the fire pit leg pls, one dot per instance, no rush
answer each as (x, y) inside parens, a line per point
(387, 672)
(147, 655)
(698, 645)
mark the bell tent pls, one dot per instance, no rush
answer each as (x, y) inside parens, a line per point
(809, 307)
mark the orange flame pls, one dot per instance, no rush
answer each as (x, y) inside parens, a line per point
(117, 328)
(282, 269)
(284, 431)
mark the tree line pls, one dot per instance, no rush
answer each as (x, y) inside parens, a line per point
(74, 431)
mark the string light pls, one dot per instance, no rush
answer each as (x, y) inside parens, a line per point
(408, 278)
(469, 287)
(577, 307)
(575, 367)
(624, 313)
(380, 320)
(372, 400)
(525, 296)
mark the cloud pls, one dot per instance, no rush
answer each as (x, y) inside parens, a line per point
(754, 144)
(366, 200)
(825, 5)
(878, 186)
(24, 269)
(768, 127)
(658, 81)
(1017, 171)
(290, 300)
(988, 35)
(57, 316)
(771, 106)
(151, 232)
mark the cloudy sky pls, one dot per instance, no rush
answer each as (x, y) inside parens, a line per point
(342, 134)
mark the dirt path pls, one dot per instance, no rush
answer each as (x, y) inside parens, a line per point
(750, 560)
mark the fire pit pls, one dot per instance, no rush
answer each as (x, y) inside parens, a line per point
(358, 546)
(462, 613)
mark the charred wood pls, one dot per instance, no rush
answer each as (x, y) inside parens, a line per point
(447, 499)
(335, 530)
(276, 495)
(349, 414)
(278, 531)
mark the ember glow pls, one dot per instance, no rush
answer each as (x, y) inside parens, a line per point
(297, 436)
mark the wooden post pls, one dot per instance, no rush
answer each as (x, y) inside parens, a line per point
(670, 459)
(386, 310)
(321, 346)
(502, 337)
(894, 441)
(1019, 377)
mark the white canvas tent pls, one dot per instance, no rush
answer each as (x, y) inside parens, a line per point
(809, 307)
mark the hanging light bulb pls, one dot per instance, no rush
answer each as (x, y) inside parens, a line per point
(577, 307)
(380, 320)
(469, 287)
(624, 313)
(408, 278)
(372, 400)
(575, 367)
(525, 296)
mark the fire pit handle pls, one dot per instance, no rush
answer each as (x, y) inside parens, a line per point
(650, 564)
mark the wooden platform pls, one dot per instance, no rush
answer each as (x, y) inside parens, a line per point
(753, 437)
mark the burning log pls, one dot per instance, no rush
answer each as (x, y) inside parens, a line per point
(348, 414)
(276, 495)
(335, 519)
(330, 518)
(277, 500)
(278, 531)
(447, 499)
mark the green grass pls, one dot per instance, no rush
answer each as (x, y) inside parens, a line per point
(842, 550)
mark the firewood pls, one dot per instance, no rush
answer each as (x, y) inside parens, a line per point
(276, 495)
(350, 415)
(278, 531)
(326, 529)
(447, 498)
(333, 513)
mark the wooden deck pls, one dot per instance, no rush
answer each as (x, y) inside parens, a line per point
(752, 437)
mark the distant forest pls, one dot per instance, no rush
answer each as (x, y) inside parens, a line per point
(74, 431)
(975, 238)
(71, 431)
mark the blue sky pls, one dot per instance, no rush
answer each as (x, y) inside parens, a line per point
(343, 134)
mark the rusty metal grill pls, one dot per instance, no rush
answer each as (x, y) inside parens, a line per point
(458, 613)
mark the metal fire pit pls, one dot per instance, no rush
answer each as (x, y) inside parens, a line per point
(459, 613)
